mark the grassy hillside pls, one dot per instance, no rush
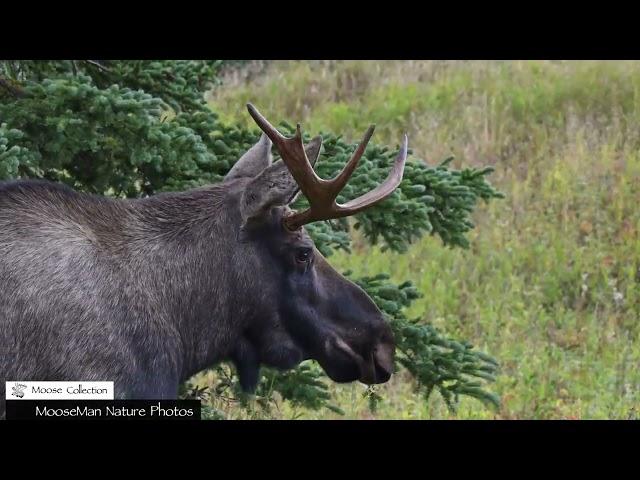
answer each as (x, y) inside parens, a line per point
(551, 283)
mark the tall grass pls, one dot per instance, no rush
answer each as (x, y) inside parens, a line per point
(551, 283)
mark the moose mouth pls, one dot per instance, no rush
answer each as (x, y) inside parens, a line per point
(345, 365)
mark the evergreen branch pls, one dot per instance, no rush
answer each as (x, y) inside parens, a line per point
(98, 65)
(12, 87)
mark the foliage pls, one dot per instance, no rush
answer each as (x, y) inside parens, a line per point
(437, 362)
(134, 128)
(550, 284)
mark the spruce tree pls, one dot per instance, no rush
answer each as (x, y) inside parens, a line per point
(135, 128)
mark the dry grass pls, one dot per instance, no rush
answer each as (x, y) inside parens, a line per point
(551, 284)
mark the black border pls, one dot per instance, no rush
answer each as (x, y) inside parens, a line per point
(277, 31)
(452, 444)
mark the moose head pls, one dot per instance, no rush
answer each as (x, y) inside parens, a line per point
(318, 314)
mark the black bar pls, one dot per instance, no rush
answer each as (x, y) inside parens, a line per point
(110, 410)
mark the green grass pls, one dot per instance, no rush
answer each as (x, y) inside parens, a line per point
(551, 284)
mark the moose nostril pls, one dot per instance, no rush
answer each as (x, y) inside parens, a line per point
(382, 374)
(383, 360)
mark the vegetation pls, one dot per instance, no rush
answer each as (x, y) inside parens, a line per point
(550, 283)
(133, 128)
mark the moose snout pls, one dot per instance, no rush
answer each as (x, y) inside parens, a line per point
(380, 363)
(375, 363)
(383, 360)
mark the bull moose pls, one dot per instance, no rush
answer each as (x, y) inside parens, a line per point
(147, 292)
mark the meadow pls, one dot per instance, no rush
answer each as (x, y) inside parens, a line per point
(550, 285)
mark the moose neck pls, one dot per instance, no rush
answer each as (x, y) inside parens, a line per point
(182, 246)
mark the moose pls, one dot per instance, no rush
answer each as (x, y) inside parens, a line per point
(147, 292)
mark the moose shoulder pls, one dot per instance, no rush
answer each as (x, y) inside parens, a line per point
(148, 292)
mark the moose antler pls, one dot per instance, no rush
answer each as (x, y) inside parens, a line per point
(322, 193)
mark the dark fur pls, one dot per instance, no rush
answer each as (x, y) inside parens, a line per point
(149, 292)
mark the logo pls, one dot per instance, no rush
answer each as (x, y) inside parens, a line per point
(36, 390)
(18, 390)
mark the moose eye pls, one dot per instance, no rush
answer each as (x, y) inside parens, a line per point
(303, 255)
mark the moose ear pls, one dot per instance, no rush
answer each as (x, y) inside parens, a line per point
(313, 149)
(254, 161)
(274, 186)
